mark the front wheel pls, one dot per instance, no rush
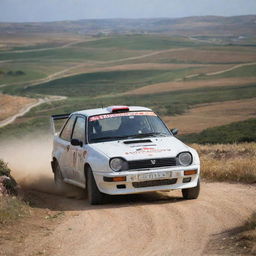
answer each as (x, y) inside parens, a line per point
(94, 195)
(191, 193)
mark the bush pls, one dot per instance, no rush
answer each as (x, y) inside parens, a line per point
(9, 73)
(4, 170)
(19, 73)
(8, 184)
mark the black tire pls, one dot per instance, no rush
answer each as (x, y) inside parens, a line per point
(93, 193)
(191, 193)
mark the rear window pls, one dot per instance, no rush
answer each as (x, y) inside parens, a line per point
(67, 130)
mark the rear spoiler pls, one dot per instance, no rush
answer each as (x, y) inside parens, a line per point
(55, 118)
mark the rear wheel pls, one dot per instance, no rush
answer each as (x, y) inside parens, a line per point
(94, 195)
(191, 193)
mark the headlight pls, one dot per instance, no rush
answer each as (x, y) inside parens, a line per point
(185, 158)
(118, 164)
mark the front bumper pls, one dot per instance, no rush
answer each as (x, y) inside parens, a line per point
(136, 181)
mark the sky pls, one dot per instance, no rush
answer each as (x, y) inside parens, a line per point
(53, 10)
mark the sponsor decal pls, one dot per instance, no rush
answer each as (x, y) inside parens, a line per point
(100, 117)
(147, 150)
(139, 149)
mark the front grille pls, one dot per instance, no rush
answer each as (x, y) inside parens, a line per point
(152, 163)
(153, 183)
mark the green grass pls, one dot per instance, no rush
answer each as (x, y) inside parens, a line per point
(101, 83)
(244, 131)
(141, 42)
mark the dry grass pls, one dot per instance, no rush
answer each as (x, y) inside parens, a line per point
(12, 208)
(186, 85)
(229, 162)
(211, 115)
(11, 105)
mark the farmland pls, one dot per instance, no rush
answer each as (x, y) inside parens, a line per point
(173, 74)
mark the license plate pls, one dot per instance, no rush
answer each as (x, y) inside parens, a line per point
(154, 176)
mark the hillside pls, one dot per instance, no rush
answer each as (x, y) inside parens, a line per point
(200, 26)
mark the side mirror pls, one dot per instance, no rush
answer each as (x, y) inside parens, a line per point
(175, 131)
(76, 142)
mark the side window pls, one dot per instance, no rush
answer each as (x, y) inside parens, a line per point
(67, 130)
(79, 130)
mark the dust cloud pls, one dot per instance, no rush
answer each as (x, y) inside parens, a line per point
(29, 158)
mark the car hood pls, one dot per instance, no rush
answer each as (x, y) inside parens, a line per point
(135, 149)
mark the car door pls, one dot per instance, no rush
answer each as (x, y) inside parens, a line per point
(64, 146)
(78, 152)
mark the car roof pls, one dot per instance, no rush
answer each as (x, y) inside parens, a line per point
(108, 110)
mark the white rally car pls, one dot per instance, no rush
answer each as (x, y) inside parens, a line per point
(122, 150)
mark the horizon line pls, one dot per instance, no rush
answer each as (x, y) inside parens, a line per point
(116, 18)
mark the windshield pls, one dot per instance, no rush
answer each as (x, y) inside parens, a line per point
(125, 126)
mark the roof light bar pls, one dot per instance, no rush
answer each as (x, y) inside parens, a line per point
(118, 109)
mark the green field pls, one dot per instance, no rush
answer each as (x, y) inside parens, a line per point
(102, 83)
(141, 42)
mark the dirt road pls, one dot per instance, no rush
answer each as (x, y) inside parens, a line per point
(149, 224)
(27, 108)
